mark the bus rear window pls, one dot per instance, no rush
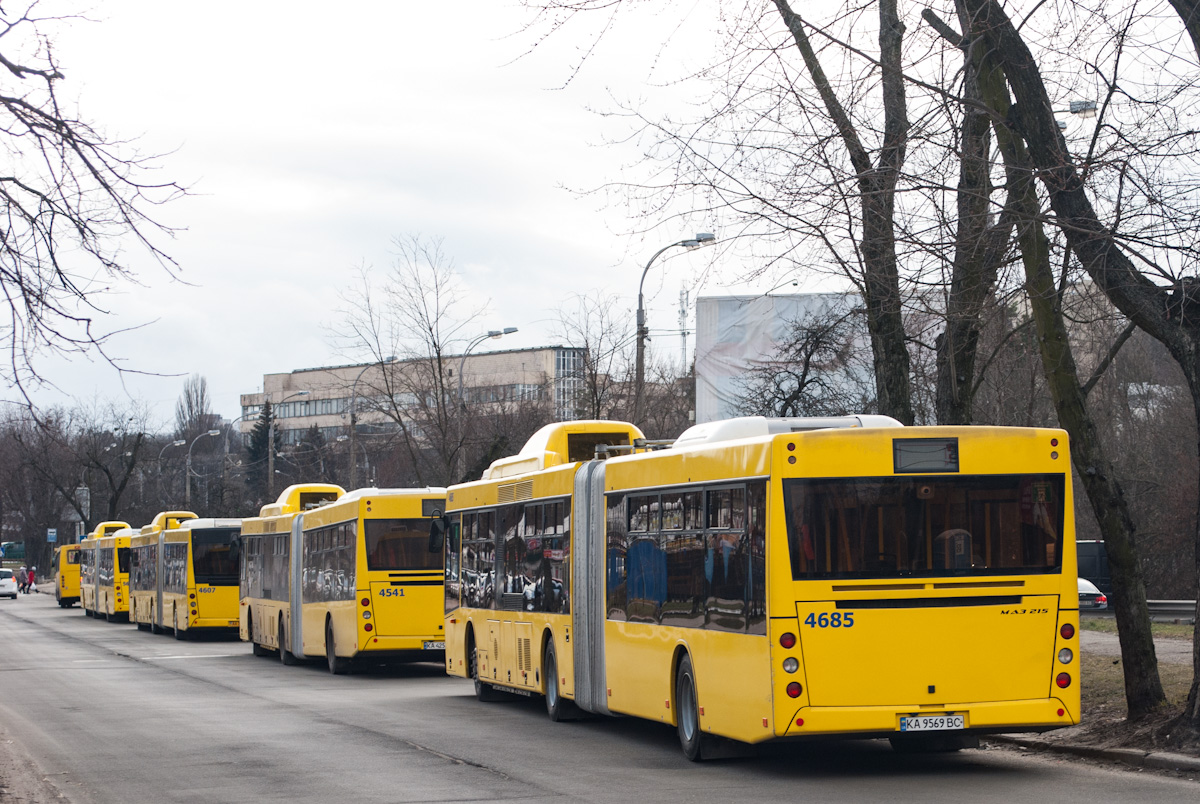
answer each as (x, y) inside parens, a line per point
(891, 527)
(123, 559)
(400, 544)
(212, 563)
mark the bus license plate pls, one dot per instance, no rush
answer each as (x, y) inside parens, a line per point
(932, 723)
(442, 646)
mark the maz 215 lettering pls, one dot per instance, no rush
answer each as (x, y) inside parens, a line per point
(838, 619)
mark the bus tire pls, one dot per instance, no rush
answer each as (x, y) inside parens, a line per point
(687, 712)
(285, 655)
(557, 707)
(338, 665)
(143, 626)
(257, 648)
(483, 691)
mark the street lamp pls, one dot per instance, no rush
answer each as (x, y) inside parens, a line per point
(701, 239)
(177, 443)
(187, 475)
(462, 361)
(354, 418)
(271, 446)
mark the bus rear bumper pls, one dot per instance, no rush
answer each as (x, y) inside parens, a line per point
(411, 648)
(1042, 714)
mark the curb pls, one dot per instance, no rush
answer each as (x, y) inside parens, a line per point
(1161, 760)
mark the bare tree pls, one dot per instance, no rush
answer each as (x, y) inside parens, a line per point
(70, 195)
(193, 409)
(594, 323)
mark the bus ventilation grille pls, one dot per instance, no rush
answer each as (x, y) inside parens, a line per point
(515, 491)
(524, 654)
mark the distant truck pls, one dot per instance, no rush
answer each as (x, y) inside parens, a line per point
(1093, 564)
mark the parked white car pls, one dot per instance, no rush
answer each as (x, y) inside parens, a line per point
(1090, 597)
(8, 584)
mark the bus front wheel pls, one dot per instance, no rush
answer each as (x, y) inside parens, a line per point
(285, 655)
(338, 665)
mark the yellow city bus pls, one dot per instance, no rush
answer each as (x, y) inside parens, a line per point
(774, 579)
(88, 566)
(65, 567)
(344, 576)
(145, 593)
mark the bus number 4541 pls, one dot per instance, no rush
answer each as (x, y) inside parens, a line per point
(389, 591)
(838, 619)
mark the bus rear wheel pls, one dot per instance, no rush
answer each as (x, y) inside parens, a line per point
(557, 707)
(483, 691)
(285, 655)
(687, 712)
(338, 665)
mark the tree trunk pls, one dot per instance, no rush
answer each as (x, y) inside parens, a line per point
(1143, 687)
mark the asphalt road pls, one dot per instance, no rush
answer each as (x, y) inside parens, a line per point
(106, 713)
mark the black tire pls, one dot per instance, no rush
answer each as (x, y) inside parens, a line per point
(483, 691)
(338, 665)
(557, 707)
(143, 626)
(285, 655)
(687, 711)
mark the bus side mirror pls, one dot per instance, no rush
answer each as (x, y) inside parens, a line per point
(437, 533)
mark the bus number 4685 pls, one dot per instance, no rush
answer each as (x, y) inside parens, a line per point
(838, 619)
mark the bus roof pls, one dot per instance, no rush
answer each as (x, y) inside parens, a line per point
(301, 496)
(760, 426)
(167, 520)
(561, 443)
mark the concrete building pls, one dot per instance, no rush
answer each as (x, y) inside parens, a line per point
(325, 396)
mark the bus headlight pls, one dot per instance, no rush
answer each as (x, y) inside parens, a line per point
(1065, 655)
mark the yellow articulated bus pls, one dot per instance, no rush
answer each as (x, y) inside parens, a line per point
(65, 567)
(90, 598)
(185, 575)
(344, 576)
(774, 579)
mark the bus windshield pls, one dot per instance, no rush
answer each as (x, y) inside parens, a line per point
(886, 527)
(400, 544)
(123, 559)
(212, 563)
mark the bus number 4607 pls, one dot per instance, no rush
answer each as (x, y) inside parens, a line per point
(838, 619)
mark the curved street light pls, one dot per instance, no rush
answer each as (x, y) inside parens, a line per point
(701, 239)
(188, 473)
(354, 417)
(462, 361)
(176, 443)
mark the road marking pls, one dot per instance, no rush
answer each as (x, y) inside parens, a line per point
(194, 656)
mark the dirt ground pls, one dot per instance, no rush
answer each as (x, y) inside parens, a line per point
(1103, 691)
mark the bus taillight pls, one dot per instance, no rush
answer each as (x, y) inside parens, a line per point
(366, 601)
(794, 689)
(1067, 631)
(788, 640)
(1063, 680)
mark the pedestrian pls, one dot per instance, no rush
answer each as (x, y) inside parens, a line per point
(31, 581)
(22, 579)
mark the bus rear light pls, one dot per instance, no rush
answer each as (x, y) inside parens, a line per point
(366, 615)
(1054, 442)
(1061, 712)
(1065, 656)
(788, 640)
(366, 601)
(794, 689)
(367, 627)
(1067, 631)
(790, 665)
(799, 721)
(1063, 680)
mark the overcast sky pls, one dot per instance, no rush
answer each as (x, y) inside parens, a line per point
(312, 134)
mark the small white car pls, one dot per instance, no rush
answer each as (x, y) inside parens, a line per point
(1090, 597)
(8, 584)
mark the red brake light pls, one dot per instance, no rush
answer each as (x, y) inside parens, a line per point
(1063, 680)
(366, 601)
(788, 640)
(368, 627)
(1067, 631)
(1102, 599)
(1054, 442)
(794, 689)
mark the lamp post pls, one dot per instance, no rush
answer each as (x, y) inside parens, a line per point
(701, 239)
(187, 475)
(271, 446)
(462, 361)
(177, 443)
(354, 417)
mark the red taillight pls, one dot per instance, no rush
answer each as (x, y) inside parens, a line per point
(1054, 442)
(366, 601)
(1102, 599)
(794, 689)
(1063, 680)
(1067, 631)
(788, 640)
(369, 627)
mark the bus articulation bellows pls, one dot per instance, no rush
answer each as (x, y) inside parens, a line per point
(767, 579)
(344, 576)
